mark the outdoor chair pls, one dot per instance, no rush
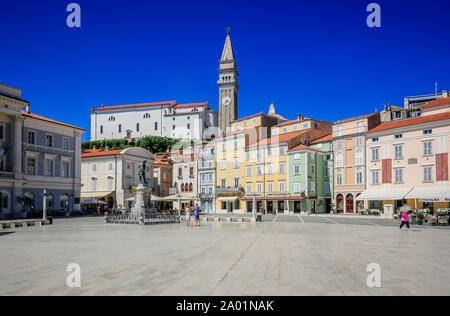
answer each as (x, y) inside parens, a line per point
(443, 221)
(432, 220)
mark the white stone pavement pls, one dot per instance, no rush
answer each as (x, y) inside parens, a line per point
(270, 258)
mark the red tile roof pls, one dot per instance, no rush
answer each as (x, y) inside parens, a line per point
(248, 117)
(356, 118)
(413, 121)
(293, 122)
(326, 138)
(300, 147)
(278, 139)
(170, 103)
(99, 153)
(436, 102)
(38, 117)
(190, 105)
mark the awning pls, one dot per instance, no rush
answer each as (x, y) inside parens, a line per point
(94, 195)
(176, 197)
(275, 198)
(227, 199)
(384, 194)
(92, 201)
(430, 194)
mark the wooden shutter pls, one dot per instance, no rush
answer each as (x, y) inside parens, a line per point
(442, 167)
(387, 171)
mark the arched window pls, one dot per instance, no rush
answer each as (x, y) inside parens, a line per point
(137, 127)
(28, 201)
(111, 119)
(147, 115)
(101, 129)
(3, 201)
(182, 187)
(190, 187)
(63, 201)
(120, 128)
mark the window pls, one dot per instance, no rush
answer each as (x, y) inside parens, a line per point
(111, 119)
(313, 169)
(398, 175)
(305, 125)
(173, 127)
(120, 128)
(93, 184)
(398, 115)
(156, 126)
(259, 187)
(191, 171)
(224, 147)
(146, 116)
(427, 174)
(359, 141)
(49, 140)
(398, 151)
(31, 166)
(223, 164)
(296, 156)
(428, 132)
(282, 150)
(110, 166)
(375, 140)
(359, 157)
(3, 200)
(65, 143)
(248, 188)
(340, 128)
(282, 168)
(427, 148)
(258, 170)
(94, 167)
(339, 160)
(236, 144)
(110, 184)
(398, 136)
(63, 201)
(236, 182)
(296, 169)
(339, 143)
(254, 121)
(2, 132)
(282, 186)
(275, 131)
(297, 187)
(249, 171)
(258, 155)
(359, 176)
(223, 183)
(294, 128)
(137, 127)
(236, 163)
(269, 169)
(376, 177)
(269, 187)
(244, 123)
(65, 169)
(247, 155)
(189, 126)
(339, 179)
(284, 129)
(269, 151)
(101, 129)
(375, 154)
(31, 137)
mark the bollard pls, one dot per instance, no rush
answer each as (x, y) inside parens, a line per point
(39, 223)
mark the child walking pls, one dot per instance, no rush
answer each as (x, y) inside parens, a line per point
(405, 220)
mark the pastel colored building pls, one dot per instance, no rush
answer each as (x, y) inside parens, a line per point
(111, 175)
(36, 153)
(407, 161)
(349, 153)
(207, 178)
(311, 176)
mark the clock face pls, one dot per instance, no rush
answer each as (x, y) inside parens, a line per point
(226, 101)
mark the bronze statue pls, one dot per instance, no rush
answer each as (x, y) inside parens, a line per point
(142, 170)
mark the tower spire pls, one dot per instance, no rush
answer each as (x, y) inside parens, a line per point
(227, 53)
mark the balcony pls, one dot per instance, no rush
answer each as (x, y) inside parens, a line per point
(230, 190)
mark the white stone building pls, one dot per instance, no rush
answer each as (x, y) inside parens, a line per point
(111, 175)
(166, 119)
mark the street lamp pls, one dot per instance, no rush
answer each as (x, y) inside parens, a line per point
(44, 202)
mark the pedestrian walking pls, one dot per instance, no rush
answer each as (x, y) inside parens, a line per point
(405, 219)
(67, 215)
(197, 215)
(188, 216)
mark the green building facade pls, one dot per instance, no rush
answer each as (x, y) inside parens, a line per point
(311, 176)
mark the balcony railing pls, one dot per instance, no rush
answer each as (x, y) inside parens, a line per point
(229, 190)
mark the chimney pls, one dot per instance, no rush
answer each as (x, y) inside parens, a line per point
(28, 109)
(445, 94)
(103, 105)
(299, 117)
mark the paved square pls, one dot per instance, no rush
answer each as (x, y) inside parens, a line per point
(269, 258)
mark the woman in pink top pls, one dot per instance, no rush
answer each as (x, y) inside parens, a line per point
(405, 219)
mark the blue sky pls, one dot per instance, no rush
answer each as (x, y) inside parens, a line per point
(317, 58)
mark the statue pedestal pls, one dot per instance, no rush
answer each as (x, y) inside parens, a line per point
(141, 195)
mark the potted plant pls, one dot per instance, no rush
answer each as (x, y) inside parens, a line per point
(420, 218)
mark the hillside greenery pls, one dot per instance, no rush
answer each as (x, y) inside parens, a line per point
(154, 144)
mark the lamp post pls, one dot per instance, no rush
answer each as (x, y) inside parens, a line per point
(44, 206)
(254, 205)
